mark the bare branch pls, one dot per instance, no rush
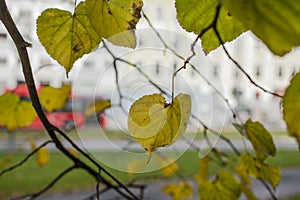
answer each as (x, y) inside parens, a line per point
(50, 185)
(239, 66)
(25, 159)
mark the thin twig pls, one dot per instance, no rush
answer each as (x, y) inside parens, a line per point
(240, 67)
(268, 188)
(25, 159)
(50, 185)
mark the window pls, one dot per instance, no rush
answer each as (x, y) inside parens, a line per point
(236, 73)
(24, 15)
(3, 61)
(159, 13)
(280, 72)
(174, 66)
(157, 68)
(3, 35)
(88, 64)
(258, 72)
(215, 71)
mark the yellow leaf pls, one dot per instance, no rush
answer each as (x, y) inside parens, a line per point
(110, 18)
(43, 156)
(178, 191)
(54, 98)
(26, 114)
(202, 174)
(15, 113)
(258, 169)
(243, 175)
(97, 107)
(154, 123)
(135, 166)
(248, 192)
(66, 36)
(225, 187)
(32, 144)
(169, 165)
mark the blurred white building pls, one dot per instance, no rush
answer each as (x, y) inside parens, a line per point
(94, 73)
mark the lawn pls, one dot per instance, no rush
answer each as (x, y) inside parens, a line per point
(30, 177)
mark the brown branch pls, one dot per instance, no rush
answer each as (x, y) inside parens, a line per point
(239, 66)
(21, 46)
(49, 186)
(25, 159)
(187, 61)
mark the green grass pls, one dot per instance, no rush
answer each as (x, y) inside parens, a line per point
(30, 177)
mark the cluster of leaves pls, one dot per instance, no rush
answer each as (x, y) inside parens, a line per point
(152, 121)
(234, 178)
(68, 36)
(17, 111)
(275, 23)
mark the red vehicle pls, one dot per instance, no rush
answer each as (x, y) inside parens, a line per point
(64, 118)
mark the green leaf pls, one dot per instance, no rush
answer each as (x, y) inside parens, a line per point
(54, 98)
(15, 113)
(226, 187)
(154, 123)
(291, 108)
(276, 23)
(260, 139)
(259, 169)
(179, 191)
(97, 107)
(196, 15)
(66, 36)
(115, 20)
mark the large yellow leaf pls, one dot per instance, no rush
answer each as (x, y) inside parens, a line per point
(154, 123)
(276, 23)
(110, 18)
(54, 98)
(291, 108)
(15, 113)
(66, 36)
(196, 15)
(178, 191)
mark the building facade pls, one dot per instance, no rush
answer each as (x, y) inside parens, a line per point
(94, 74)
